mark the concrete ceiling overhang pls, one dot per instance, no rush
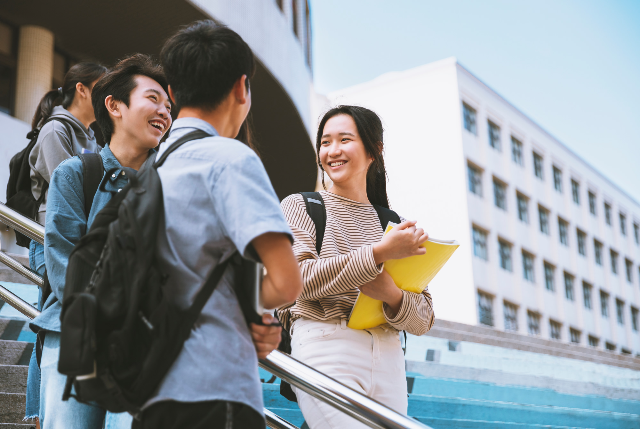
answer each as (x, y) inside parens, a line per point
(107, 31)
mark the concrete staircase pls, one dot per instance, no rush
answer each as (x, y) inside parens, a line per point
(14, 362)
(452, 403)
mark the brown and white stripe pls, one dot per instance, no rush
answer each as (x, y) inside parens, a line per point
(331, 280)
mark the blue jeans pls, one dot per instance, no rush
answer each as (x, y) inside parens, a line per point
(32, 409)
(58, 414)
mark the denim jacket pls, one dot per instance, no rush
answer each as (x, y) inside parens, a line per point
(66, 223)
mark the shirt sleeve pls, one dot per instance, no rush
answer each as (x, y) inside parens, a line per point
(326, 276)
(245, 201)
(415, 315)
(65, 224)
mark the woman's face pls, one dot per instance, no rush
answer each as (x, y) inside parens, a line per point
(342, 153)
(86, 104)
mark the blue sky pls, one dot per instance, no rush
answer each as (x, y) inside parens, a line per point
(573, 66)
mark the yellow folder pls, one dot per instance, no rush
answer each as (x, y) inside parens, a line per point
(412, 274)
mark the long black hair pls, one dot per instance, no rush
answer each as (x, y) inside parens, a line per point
(371, 132)
(84, 73)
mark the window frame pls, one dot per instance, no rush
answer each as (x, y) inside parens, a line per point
(475, 179)
(510, 312)
(593, 202)
(499, 194)
(613, 256)
(505, 263)
(482, 310)
(555, 330)
(523, 207)
(604, 304)
(581, 238)
(528, 269)
(517, 151)
(557, 179)
(544, 226)
(634, 317)
(623, 223)
(620, 311)
(494, 137)
(598, 247)
(587, 290)
(533, 323)
(478, 232)
(573, 334)
(563, 231)
(575, 191)
(569, 282)
(549, 276)
(629, 270)
(469, 118)
(538, 165)
(607, 213)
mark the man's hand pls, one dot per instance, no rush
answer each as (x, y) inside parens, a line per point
(384, 289)
(266, 338)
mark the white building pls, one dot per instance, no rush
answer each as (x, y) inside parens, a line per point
(549, 246)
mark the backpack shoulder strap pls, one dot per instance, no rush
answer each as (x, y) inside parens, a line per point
(386, 215)
(318, 213)
(193, 135)
(92, 173)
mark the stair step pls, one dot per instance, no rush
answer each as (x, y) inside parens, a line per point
(15, 352)
(17, 426)
(13, 378)
(429, 406)
(457, 388)
(12, 407)
(436, 423)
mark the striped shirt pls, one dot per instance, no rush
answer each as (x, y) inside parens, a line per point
(331, 280)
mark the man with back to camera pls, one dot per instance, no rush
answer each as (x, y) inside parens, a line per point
(217, 200)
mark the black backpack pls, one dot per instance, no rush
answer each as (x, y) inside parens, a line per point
(318, 213)
(19, 195)
(120, 334)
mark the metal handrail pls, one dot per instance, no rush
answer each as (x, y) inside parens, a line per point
(26, 226)
(315, 383)
(20, 269)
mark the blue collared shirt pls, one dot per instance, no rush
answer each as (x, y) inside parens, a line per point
(217, 199)
(66, 223)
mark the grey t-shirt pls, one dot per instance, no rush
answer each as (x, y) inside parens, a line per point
(217, 198)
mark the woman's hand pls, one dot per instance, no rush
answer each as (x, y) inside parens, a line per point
(402, 241)
(384, 289)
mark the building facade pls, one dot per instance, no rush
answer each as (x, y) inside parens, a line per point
(41, 40)
(549, 246)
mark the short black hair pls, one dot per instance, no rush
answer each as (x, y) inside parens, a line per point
(119, 82)
(203, 61)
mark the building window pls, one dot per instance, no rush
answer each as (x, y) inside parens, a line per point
(575, 191)
(510, 317)
(538, 166)
(533, 323)
(629, 266)
(543, 216)
(636, 232)
(604, 304)
(485, 309)
(634, 318)
(575, 335)
(480, 243)
(582, 242)
(279, 3)
(475, 180)
(614, 261)
(557, 179)
(597, 250)
(623, 224)
(563, 228)
(523, 208)
(607, 213)
(527, 266)
(568, 286)
(516, 151)
(620, 311)
(609, 346)
(625, 351)
(593, 341)
(592, 203)
(494, 136)
(549, 276)
(505, 255)
(469, 117)
(500, 194)
(555, 330)
(586, 294)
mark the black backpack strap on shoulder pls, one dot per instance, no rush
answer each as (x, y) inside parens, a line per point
(386, 215)
(205, 292)
(193, 135)
(92, 173)
(318, 213)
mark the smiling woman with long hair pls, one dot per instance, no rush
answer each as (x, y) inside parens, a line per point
(351, 260)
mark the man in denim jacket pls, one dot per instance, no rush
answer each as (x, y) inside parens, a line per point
(133, 111)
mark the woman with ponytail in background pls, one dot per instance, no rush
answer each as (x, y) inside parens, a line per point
(349, 145)
(63, 118)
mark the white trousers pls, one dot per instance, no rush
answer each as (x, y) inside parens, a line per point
(368, 361)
